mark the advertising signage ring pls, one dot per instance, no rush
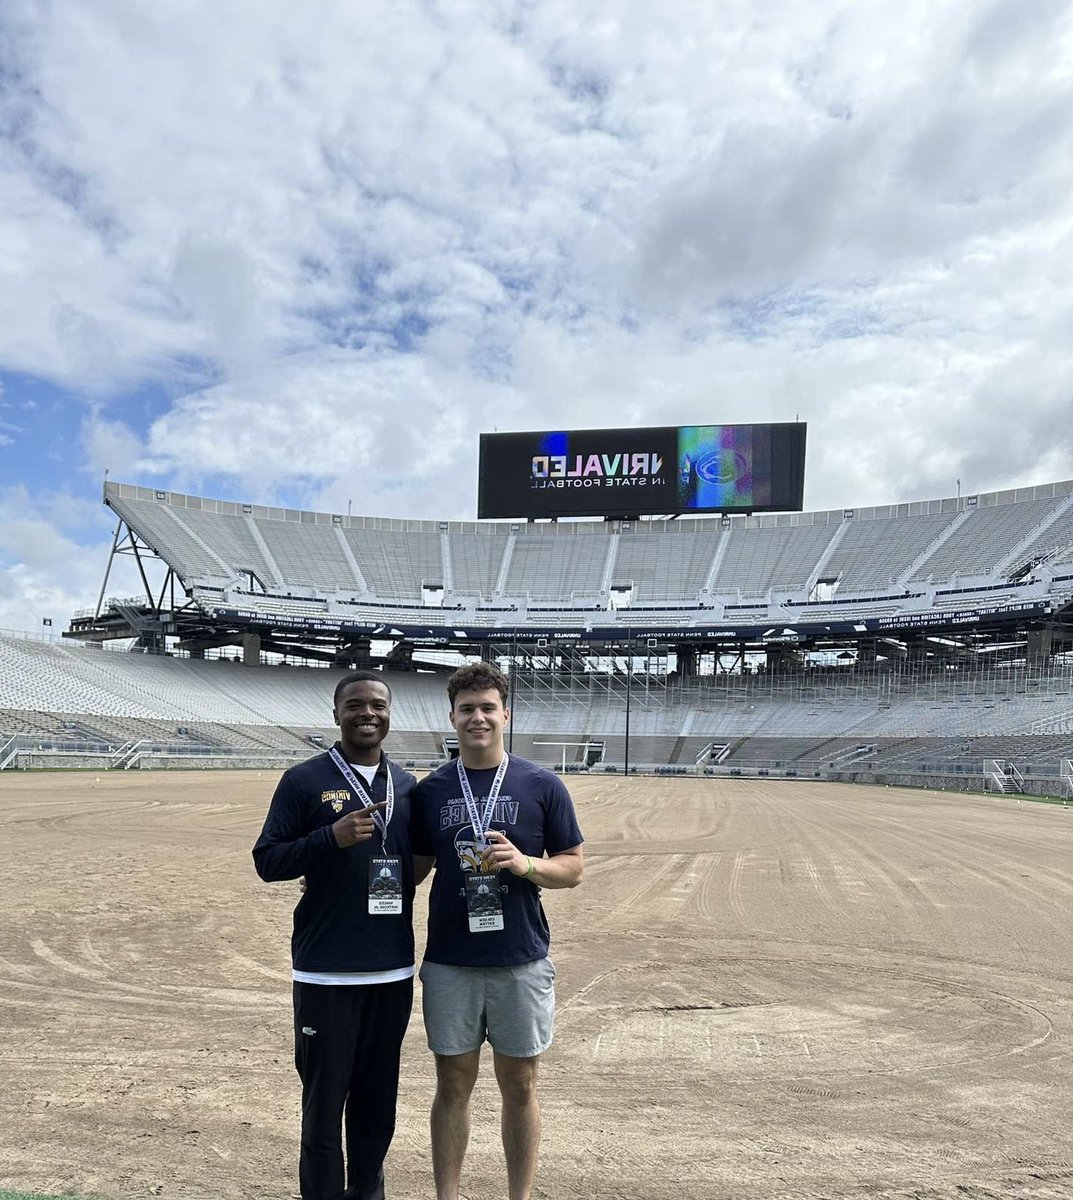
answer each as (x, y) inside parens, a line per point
(616, 472)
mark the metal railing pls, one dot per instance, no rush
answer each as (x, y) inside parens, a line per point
(20, 748)
(1003, 776)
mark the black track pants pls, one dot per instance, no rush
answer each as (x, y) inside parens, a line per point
(347, 1042)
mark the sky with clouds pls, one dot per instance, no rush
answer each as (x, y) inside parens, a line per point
(304, 254)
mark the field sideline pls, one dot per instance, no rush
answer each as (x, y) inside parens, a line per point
(767, 989)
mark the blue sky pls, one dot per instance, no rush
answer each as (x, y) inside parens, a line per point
(251, 252)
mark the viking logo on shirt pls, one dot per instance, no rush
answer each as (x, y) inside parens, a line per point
(335, 798)
(466, 846)
(469, 852)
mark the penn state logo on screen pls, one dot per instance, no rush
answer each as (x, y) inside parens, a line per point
(723, 467)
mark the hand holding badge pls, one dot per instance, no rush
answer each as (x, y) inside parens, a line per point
(501, 854)
(484, 902)
(484, 895)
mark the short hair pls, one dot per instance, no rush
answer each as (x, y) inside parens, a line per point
(477, 677)
(359, 677)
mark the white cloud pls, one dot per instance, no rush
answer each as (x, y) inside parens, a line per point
(46, 571)
(112, 447)
(326, 417)
(341, 246)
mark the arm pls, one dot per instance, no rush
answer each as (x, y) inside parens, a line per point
(285, 850)
(562, 870)
(421, 845)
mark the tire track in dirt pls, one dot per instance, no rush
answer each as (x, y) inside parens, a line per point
(966, 1024)
(968, 844)
(734, 887)
(701, 903)
(885, 887)
(957, 863)
(822, 889)
(649, 885)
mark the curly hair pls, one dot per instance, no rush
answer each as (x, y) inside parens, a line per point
(477, 677)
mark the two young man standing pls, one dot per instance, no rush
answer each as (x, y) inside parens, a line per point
(497, 829)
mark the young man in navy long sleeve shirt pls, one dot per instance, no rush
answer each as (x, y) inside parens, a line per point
(342, 820)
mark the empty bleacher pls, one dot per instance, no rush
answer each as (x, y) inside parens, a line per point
(938, 720)
(398, 562)
(871, 555)
(890, 561)
(692, 566)
(40, 677)
(232, 538)
(476, 558)
(557, 566)
(757, 560)
(308, 554)
(665, 564)
(1055, 540)
(984, 538)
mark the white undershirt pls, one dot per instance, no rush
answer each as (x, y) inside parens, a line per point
(355, 978)
(367, 773)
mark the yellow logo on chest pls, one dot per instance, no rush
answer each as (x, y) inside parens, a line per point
(335, 798)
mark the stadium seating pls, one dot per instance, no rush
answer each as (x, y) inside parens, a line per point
(873, 555)
(757, 560)
(107, 707)
(398, 563)
(974, 547)
(474, 559)
(896, 562)
(308, 555)
(40, 677)
(570, 562)
(883, 559)
(664, 563)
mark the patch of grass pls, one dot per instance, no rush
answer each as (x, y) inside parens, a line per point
(37, 1196)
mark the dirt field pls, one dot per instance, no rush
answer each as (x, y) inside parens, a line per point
(767, 991)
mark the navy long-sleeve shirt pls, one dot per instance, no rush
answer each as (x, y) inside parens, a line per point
(333, 930)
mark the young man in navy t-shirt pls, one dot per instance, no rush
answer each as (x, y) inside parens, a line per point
(500, 829)
(342, 820)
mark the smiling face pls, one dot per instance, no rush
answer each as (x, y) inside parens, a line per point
(479, 718)
(363, 714)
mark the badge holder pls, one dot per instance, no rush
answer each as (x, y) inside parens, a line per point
(484, 902)
(385, 886)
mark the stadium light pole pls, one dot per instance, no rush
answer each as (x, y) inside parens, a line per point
(629, 677)
(513, 656)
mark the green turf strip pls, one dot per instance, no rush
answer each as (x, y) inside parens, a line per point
(37, 1196)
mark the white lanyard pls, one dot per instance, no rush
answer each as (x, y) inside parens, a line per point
(380, 819)
(481, 824)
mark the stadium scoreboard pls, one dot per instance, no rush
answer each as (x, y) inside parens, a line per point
(621, 472)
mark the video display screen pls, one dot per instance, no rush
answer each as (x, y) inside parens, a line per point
(634, 472)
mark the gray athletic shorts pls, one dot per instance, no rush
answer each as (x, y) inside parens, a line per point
(513, 1007)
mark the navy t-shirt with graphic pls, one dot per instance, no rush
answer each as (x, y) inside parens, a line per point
(536, 813)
